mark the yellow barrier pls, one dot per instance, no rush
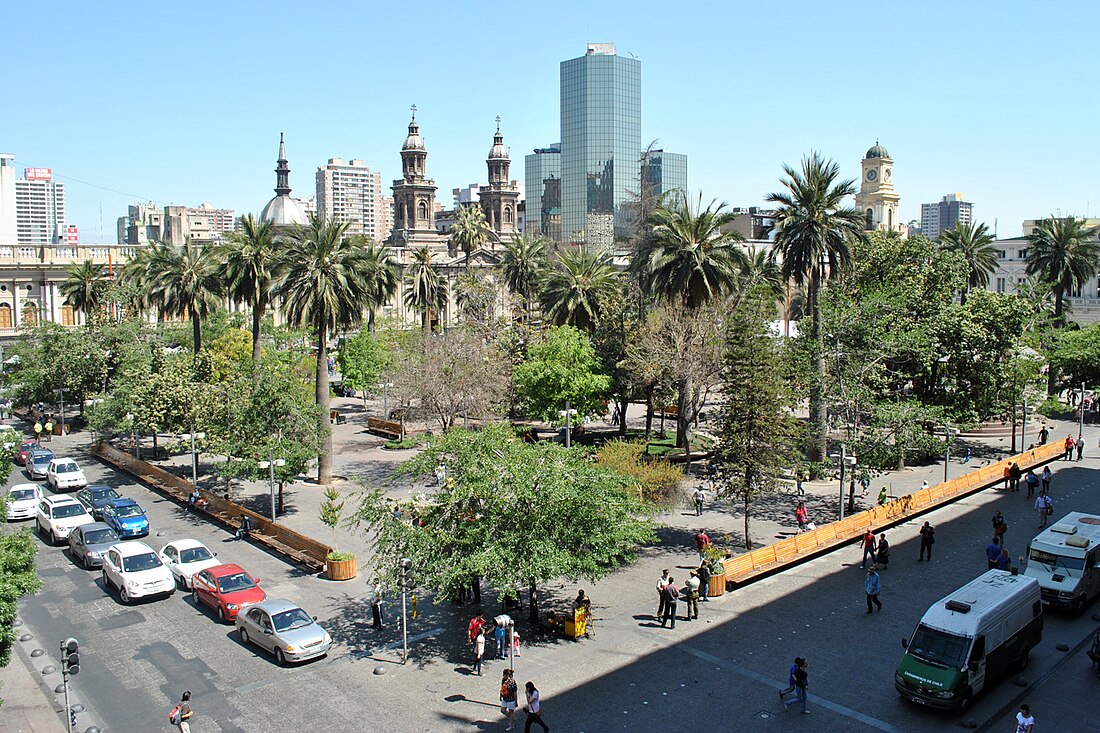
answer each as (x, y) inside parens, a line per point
(765, 560)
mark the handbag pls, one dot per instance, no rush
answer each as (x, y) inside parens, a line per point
(1050, 509)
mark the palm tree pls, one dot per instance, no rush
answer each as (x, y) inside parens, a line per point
(84, 287)
(470, 230)
(323, 282)
(573, 290)
(384, 273)
(523, 265)
(249, 255)
(687, 259)
(425, 289)
(975, 243)
(814, 233)
(760, 270)
(1065, 253)
(183, 280)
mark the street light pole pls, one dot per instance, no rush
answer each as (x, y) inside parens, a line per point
(843, 461)
(406, 563)
(62, 393)
(1081, 419)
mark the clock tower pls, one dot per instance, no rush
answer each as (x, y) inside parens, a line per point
(877, 200)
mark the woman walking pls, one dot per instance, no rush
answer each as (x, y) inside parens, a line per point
(534, 709)
(508, 698)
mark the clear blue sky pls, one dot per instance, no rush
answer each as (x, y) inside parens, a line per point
(183, 102)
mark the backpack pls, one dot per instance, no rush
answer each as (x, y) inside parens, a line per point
(175, 715)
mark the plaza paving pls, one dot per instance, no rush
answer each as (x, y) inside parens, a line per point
(721, 671)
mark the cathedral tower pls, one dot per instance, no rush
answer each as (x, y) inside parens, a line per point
(499, 199)
(414, 195)
(877, 200)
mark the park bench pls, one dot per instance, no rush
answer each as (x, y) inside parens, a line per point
(336, 417)
(672, 411)
(385, 428)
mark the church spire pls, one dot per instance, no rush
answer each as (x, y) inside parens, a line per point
(282, 171)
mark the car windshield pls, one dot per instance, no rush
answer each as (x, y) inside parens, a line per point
(195, 554)
(1051, 562)
(69, 510)
(128, 510)
(100, 536)
(66, 468)
(235, 582)
(939, 647)
(295, 618)
(103, 494)
(137, 563)
(41, 458)
(21, 494)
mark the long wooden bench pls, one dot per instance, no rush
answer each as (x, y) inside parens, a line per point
(745, 568)
(385, 428)
(297, 547)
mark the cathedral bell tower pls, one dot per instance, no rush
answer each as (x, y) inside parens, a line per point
(877, 200)
(413, 194)
(500, 198)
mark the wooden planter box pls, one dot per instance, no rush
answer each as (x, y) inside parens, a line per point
(340, 569)
(717, 585)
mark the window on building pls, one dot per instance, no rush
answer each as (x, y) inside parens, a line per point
(1000, 254)
(507, 214)
(68, 317)
(30, 313)
(5, 315)
(422, 211)
(1000, 285)
(870, 215)
(1023, 254)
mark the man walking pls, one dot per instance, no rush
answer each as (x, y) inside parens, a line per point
(801, 682)
(700, 496)
(702, 542)
(999, 526)
(993, 553)
(692, 591)
(48, 432)
(1014, 474)
(1080, 447)
(1044, 434)
(1045, 476)
(1043, 507)
(868, 544)
(927, 539)
(376, 606)
(872, 584)
(671, 595)
(661, 583)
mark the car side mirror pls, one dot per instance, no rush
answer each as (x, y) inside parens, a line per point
(257, 580)
(267, 631)
(904, 643)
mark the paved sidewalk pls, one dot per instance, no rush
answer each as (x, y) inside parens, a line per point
(26, 707)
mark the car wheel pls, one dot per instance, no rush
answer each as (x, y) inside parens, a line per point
(244, 636)
(53, 539)
(124, 595)
(280, 657)
(221, 615)
(87, 562)
(106, 581)
(964, 704)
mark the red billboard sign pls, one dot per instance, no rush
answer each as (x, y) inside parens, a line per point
(38, 174)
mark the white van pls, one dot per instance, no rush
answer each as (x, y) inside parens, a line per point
(1065, 559)
(965, 640)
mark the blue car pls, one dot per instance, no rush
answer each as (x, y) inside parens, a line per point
(125, 517)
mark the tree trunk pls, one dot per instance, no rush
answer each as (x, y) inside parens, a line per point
(257, 321)
(534, 605)
(370, 320)
(818, 446)
(683, 414)
(196, 330)
(748, 497)
(1052, 373)
(649, 410)
(624, 403)
(324, 460)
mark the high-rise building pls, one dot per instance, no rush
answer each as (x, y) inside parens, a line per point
(663, 172)
(203, 224)
(8, 230)
(944, 214)
(601, 136)
(542, 171)
(39, 208)
(350, 192)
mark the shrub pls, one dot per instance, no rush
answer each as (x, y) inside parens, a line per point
(656, 480)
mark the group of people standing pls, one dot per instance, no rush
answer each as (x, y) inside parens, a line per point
(694, 590)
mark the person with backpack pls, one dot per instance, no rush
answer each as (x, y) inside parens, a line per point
(1032, 482)
(508, 690)
(181, 714)
(927, 539)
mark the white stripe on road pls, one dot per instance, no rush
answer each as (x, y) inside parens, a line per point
(769, 682)
(415, 637)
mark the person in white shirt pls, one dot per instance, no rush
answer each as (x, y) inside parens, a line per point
(1025, 721)
(534, 709)
(1044, 507)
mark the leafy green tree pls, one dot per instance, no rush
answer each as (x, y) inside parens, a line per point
(184, 281)
(470, 230)
(574, 288)
(84, 287)
(561, 372)
(516, 514)
(362, 362)
(760, 270)
(324, 282)
(248, 258)
(814, 233)
(54, 358)
(425, 288)
(1065, 253)
(757, 432)
(975, 243)
(689, 261)
(523, 265)
(1076, 355)
(18, 576)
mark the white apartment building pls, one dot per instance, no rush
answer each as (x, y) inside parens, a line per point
(8, 229)
(944, 214)
(351, 192)
(39, 208)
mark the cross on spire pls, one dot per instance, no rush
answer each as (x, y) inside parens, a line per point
(498, 123)
(414, 111)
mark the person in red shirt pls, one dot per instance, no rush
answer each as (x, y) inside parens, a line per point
(869, 546)
(701, 542)
(1069, 444)
(477, 625)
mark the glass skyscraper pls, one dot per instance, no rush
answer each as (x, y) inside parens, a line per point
(601, 133)
(664, 172)
(542, 174)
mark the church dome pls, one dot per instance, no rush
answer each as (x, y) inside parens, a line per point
(283, 211)
(498, 150)
(877, 152)
(413, 141)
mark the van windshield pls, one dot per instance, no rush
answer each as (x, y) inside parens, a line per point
(1050, 561)
(939, 647)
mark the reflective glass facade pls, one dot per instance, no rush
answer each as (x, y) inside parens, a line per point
(542, 179)
(665, 172)
(601, 106)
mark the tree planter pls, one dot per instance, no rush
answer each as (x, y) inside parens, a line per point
(717, 585)
(340, 569)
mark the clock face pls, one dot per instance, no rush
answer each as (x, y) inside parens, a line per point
(886, 174)
(872, 175)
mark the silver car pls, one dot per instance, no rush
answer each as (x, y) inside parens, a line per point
(88, 543)
(284, 629)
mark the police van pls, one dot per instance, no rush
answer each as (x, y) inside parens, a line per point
(1065, 559)
(969, 638)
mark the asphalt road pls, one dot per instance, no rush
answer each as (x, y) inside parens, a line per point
(721, 672)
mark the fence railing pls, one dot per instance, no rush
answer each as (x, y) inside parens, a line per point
(766, 560)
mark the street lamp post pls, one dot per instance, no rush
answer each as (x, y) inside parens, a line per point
(62, 393)
(1081, 418)
(270, 465)
(567, 413)
(846, 461)
(195, 456)
(406, 563)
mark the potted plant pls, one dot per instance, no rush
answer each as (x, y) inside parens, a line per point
(338, 565)
(715, 556)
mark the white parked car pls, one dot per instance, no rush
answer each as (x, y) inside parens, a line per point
(136, 570)
(184, 558)
(23, 501)
(65, 475)
(57, 515)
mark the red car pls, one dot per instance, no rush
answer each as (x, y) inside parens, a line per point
(24, 450)
(227, 589)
